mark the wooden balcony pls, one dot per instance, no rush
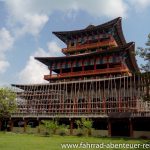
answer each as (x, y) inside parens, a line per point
(110, 43)
(87, 73)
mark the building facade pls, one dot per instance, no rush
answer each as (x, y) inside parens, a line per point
(97, 78)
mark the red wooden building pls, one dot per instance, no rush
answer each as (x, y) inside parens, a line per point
(94, 52)
(95, 79)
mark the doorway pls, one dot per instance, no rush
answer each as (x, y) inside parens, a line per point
(120, 128)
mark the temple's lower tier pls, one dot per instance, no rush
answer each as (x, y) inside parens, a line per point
(117, 105)
(137, 127)
(85, 97)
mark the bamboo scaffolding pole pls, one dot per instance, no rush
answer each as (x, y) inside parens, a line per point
(85, 97)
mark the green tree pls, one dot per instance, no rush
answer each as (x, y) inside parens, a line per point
(87, 124)
(50, 126)
(84, 124)
(7, 102)
(145, 54)
(78, 123)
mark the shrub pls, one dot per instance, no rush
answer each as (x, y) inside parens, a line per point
(80, 132)
(63, 129)
(84, 125)
(51, 126)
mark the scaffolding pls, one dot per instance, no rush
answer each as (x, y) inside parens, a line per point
(89, 98)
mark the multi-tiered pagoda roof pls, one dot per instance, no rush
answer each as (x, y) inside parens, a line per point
(113, 27)
(93, 51)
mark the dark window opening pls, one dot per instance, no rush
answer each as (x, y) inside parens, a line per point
(76, 69)
(72, 43)
(102, 66)
(120, 128)
(93, 50)
(100, 125)
(86, 68)
(141, 125)
(114, 65)
(66, 70)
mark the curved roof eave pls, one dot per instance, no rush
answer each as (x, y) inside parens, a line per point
(113, 23)
(133, 62)
(48, 60)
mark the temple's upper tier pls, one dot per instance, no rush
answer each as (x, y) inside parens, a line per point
(113, 28)
(126, 51)
(92, 52)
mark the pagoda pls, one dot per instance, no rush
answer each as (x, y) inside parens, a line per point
(97, 78)
(93, 52)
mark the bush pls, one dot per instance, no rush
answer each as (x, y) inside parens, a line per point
(80, 134)
(50, 125)
(29, 129)
(84, 125)
(46, 134)
(63, 129)
(62, 133)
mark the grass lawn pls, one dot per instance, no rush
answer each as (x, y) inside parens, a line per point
(12, 141)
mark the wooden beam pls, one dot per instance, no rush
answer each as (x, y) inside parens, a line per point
(0, 125)
(131, 127)
(71, 126)
(109, 128)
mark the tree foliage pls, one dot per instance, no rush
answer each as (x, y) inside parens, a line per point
(50, 125)
(145, 54)
(85, 124)
(63, 129)
(7, 102)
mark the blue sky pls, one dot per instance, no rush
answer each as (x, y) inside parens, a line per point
(26, 30)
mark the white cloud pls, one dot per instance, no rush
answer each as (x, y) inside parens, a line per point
(6, 40)
(54, 49)
(6, 43)
(30, 16)
(32, 24)
(34, 71)
(23, 19)
(139, 5)
(3, 66)
(107, 8)
(96, 7)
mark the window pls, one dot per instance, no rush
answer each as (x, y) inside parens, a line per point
(72, 43)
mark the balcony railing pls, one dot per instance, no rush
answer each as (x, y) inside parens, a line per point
(86, 73)
(110, 43)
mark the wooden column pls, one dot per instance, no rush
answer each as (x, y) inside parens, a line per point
(89, 104)
(104, 104)
(83, 65)
(71, 67)
(60, 71)
(25, 125)
(11, 124)
(95, 64)
(104, 99)
(121, 62)
(107, 62)
(50, 71)
(120, 106)
(71, 126)
(0, 125)
(131, 127)
(60, 68)
(109, 128)
(39, 122)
